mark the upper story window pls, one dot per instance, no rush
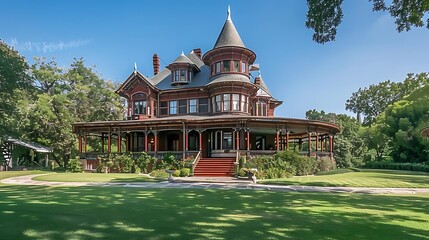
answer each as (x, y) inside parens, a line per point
(139, 104)
(192, 105)
(183, 106)
(236, 66)
(226, 66)
(236, 102)
(181, 76)
(230, 102)
(173, 107)
(163, 108)
(261, 108)
(203, 105)
(217, 67)
(227, 102)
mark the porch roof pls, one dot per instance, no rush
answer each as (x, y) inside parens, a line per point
(213, 119)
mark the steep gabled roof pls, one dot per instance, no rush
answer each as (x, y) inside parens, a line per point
(264, 88)
(182, 59)
(229, 36)
(133, 78)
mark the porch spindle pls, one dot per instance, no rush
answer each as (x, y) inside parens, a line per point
(109, 146)
(277, 140)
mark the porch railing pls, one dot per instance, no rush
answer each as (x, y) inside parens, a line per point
(195, 162)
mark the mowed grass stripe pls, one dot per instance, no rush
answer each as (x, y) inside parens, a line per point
(40, 212)
(367, 178)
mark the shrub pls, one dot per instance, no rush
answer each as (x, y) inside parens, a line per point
(242, 172)
(159, 174)
(326, 164)
(137, 170)
(184, 172)
(423, 167)
(145, 162)
(124, 163)
(176, 173)
(74, 165)
(303, 165)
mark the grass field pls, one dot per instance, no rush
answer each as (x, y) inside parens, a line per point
(366, 178)
(10, 174)
(39, 212)
(94, 177)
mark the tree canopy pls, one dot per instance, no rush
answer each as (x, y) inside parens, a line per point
(324, 16)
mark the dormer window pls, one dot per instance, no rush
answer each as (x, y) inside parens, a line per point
(182, 76)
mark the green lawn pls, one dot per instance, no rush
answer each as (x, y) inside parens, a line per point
(366, 178)
(40, 212)
(94, 177)
(10, 174)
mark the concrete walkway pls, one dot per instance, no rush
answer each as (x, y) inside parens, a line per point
(214, 183)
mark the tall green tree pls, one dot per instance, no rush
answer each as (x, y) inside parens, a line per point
(324, 16)
(403, 121)
(13, 78)
(373, 100)
(63, 97)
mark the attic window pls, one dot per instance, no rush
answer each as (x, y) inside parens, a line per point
(181, 76)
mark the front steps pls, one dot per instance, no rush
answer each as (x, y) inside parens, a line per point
(215, 167)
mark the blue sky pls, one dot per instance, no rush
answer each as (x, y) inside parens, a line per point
(112, 35)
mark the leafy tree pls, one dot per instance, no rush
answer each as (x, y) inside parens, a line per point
(403, 121)
(324, 16)
(13, 78)
(373, 100)
(375, 139)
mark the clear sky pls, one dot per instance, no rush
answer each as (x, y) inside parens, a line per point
(112, 35)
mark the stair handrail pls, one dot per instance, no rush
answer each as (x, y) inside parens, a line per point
(195, 162)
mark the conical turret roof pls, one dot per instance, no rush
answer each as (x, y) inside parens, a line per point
(229, 36)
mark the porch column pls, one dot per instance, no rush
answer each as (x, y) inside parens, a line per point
(277, 140)
(146, 133)
(248, 139)
(102, 142)
(127, 142)
(86, 141)
(309, 142)
(200, 135)
(119, 141)
(80, 143)
(317, 141)
(155, 136)
(237, 139)
(109, 147)
(186, 140)
(331, 143)
(287, 140)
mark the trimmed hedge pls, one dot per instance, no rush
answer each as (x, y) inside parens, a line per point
(422, 167)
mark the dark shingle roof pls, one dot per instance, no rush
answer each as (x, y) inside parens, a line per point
(182, 59)
(229, 36)
(229, 78)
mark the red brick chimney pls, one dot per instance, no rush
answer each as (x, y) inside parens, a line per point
(156, 64)
(198, 52)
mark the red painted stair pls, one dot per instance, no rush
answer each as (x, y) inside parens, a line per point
(215, 167)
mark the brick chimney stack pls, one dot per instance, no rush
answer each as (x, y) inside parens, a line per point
(156, 64)
(198, 52)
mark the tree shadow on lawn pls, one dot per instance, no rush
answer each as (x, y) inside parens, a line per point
(36, 212)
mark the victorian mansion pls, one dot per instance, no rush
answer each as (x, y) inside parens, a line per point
(207, 106)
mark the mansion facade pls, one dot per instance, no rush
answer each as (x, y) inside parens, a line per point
(205, 106)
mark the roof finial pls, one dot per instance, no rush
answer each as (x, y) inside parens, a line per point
(182, 53)
(229, 14)
(259, 74)
(135, 67)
